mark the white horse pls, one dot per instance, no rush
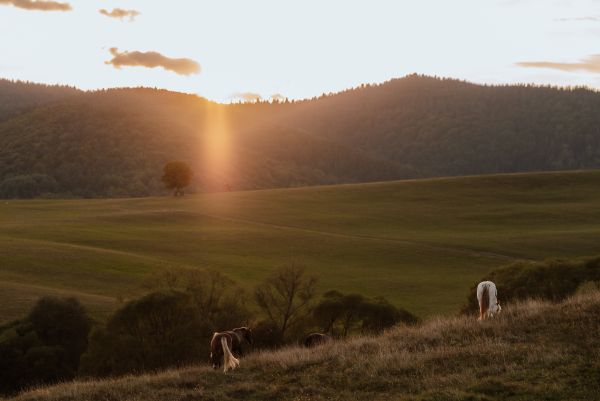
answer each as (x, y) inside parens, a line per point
(487, 296)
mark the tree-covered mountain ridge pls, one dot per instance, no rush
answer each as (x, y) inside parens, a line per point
(63, 142)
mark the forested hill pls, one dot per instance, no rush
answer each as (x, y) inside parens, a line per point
(18, 97)
(57, 141)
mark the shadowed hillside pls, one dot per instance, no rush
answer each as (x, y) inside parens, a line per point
(531, 351)
(61, 142)
(17, 97)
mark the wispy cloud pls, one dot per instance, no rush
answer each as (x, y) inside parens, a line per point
(589, 64)
(181, 66)
(246, 96)
(120, 13)
(277, 97)
(38, 5)
(590, 18)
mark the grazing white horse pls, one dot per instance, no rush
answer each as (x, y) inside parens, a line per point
(487, 296)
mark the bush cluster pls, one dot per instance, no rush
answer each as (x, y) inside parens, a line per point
(552, 279)
(172, 325)
(45, 347)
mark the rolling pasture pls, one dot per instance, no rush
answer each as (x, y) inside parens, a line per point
(419, 243)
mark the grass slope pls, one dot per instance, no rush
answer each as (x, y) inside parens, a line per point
(532, 351)
(419, 243)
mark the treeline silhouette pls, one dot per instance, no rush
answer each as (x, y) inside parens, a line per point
(58, 141)
(173, 323)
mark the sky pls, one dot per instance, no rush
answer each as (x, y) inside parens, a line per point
(240, 49)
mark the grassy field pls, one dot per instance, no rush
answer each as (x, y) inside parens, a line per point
(532, 351)
(419, 243)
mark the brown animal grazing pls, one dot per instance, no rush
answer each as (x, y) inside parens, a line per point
(314, 339)
(226, 345)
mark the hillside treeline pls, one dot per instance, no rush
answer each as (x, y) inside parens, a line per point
(173, 323)
(58, 141)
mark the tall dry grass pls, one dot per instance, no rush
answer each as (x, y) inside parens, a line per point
(533, 350)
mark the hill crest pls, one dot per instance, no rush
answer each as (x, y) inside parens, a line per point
(65, 143)
(514, 356)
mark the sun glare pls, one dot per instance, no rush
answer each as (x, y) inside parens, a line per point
(216, 152)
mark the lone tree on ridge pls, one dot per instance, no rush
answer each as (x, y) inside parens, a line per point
(177, 175)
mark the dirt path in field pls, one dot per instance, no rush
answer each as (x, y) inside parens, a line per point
(444, 248)
(79, 246)
(91, 248)
(464, 251)
(5, 284)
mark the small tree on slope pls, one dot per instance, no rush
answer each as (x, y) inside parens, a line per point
(177, 175)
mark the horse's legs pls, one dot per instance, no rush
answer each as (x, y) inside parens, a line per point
(237, 351)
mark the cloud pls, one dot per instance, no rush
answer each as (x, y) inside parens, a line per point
(181, 66)
(277, 97)
(588, 64)
(120, 13)
(246, 96)
(593, 19)
(38, 5)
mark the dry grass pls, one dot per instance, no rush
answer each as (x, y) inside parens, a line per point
(532, 351)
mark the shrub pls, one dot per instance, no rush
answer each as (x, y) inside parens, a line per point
(222, 304)
(379, 314)
(45, 347)
(553, 279)
(285, 298)
(340, 314)
(156, 331)
(63, 323)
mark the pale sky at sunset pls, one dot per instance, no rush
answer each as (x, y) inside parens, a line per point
(298, 49)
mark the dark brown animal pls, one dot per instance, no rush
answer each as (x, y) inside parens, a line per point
(226, 345)
(314, 339)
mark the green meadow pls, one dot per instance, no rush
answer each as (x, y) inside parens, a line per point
(419, 243)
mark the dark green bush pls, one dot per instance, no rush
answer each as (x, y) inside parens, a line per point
(156, 331)
(340, 314)
(170, 326)
(45, 347)
(553, 279)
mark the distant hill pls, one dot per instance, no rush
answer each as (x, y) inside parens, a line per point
(58, 141)
(17, 97)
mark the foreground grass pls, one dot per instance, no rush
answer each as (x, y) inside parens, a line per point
(403, 240)
(533, 351)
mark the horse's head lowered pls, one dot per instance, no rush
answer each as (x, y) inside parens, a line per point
(245, 333)
(495, 309)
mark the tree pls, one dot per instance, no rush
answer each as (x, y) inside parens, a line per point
(62, 322)
(177, 175)
(340, 314)
(45, 347)
(157, 331)
(378, 314)
(329, 311)
(336, 307)
(285, 297)
(220, 301)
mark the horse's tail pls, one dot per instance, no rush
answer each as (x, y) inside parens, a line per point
(484, 304)
(230, 362)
